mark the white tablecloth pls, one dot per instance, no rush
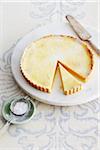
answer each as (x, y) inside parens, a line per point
(52, 128)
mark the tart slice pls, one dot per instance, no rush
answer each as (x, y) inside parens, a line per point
(70, 84)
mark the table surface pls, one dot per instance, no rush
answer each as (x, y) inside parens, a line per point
(52, 128)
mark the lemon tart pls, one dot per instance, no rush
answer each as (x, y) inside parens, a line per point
(40, 59)
(69, 83)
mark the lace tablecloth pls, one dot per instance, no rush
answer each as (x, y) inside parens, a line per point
(52, 128)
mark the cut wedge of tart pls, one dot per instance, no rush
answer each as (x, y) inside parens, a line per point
(39, 60)
(70, 84)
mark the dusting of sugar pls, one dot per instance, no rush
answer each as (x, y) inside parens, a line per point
(20, 108)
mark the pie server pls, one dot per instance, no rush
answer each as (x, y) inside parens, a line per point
(82, 33)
